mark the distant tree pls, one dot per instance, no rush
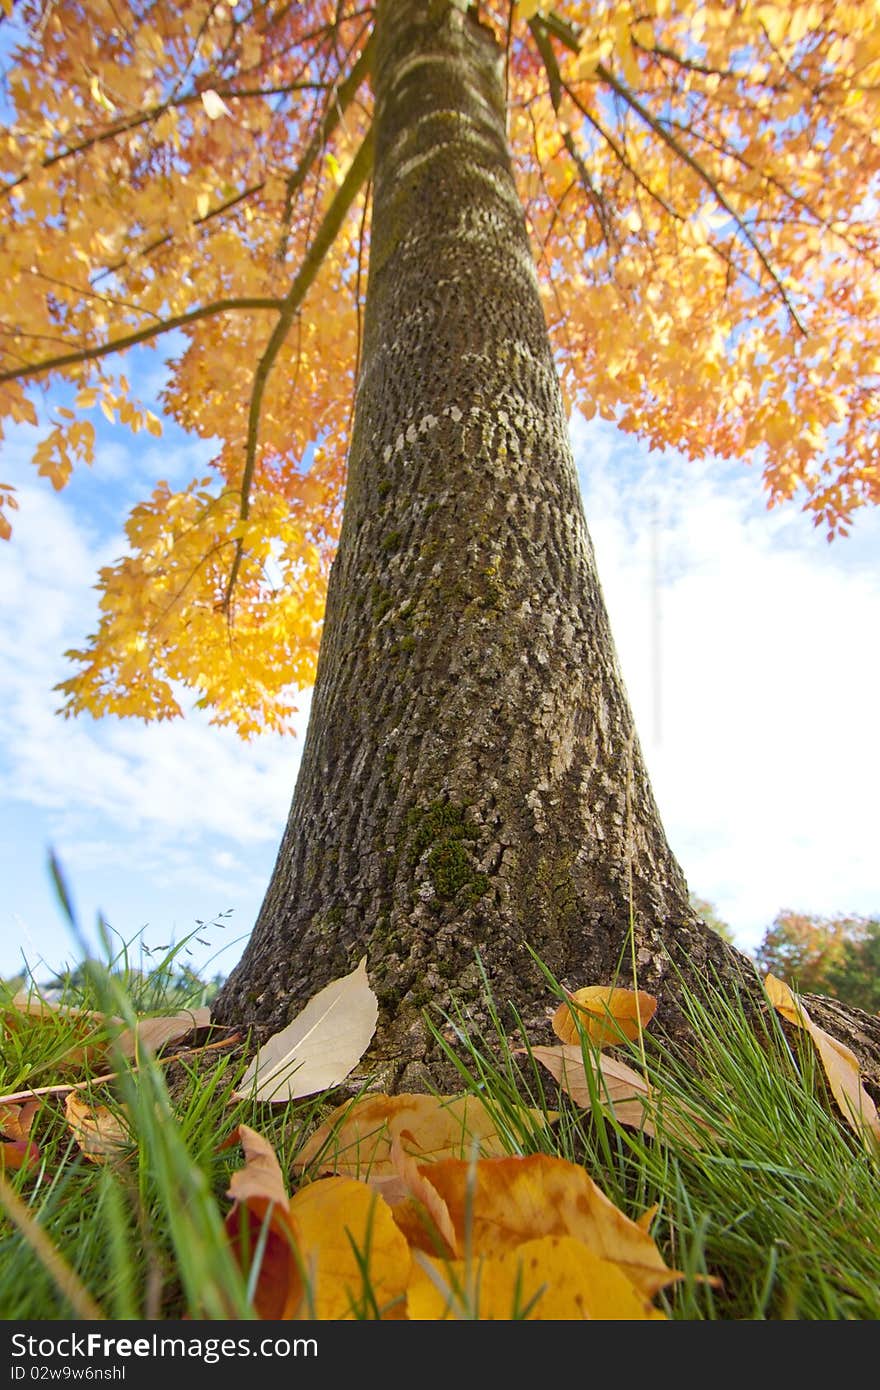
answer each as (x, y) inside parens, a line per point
(855, 976)
(709, 915)
(837, 955)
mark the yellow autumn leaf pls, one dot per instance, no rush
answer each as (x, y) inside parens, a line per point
(552, 1278)
(355, 1260)
(607, 1015)
(498, 1203)
(840, 1064)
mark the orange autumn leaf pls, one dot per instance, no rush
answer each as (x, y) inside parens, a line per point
(261, 1210)
(17, 1149)
(357, 1138)
(99, 1132)
(418, 1209)
(355, 1260)
(607, 1015)
(840, 1064)
(498, 1203)
(553, 1278)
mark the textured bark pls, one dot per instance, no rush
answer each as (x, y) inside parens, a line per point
(471, 781)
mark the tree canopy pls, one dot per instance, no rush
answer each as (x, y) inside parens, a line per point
(700, 185)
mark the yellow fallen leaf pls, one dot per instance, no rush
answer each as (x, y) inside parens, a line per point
(553, 1278)
(319, 1047)
(100, 1134)
(840, 1064)
(355, 1260)
(498, 1203)
(605, 1014)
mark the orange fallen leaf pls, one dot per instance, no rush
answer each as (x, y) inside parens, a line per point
(499, 1203)
(262, 1210)
(100, 1134)
(356, 1139)
(552, 1278)
(17, 1150)
(840, 1064)
(607, 1015)
(418, 1209)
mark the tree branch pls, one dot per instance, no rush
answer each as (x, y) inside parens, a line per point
(142, 335)
(358, 172)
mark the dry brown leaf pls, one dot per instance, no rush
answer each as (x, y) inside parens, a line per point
(356, 1139)
(631, 1098)
(100, 1134)
(153, 1033)
(499, 1203)
(616, 1084)
(319, 1047)
(607, 1015)
(840, 1064)
(552, 1278)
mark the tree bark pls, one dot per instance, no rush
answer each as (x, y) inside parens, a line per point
(471, 785)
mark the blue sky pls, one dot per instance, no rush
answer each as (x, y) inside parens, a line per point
(748, 647)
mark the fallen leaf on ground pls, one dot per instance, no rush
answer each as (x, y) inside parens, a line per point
(418, 1209)
(319, 1047)
(552, 1278)
(840, 1064)
(261, 1210)
(356, 1139)
(17, 1149)
(355, 1260)
(499, 1203)
(153, 1033)
(624, 1091)
(607, 1015)
(100, 1134)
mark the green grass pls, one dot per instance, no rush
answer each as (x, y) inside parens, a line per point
(775, 1216)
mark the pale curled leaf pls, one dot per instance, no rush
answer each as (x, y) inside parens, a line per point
(630, 1097)
(214, 105)
(153, 1033)
(840, 1064)
(612, 1083)
(319, 1047)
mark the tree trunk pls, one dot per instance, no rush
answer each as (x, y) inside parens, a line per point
(471, 783)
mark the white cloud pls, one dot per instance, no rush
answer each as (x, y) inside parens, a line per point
(766, 760)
